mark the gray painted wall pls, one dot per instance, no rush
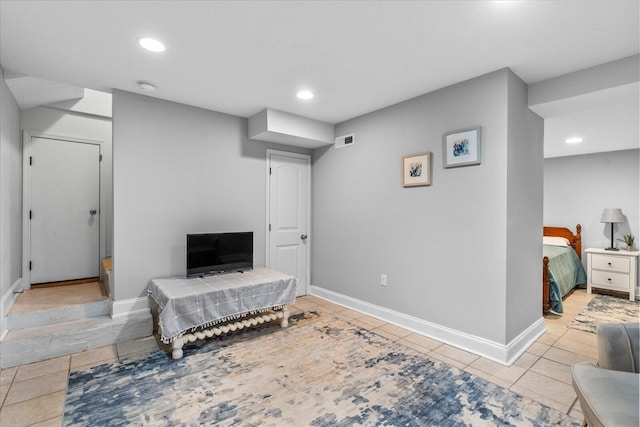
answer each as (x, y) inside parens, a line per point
(82, 126)
(443, 247)
(179, 169)
(524, 211)
(578, 188)
(10, 192)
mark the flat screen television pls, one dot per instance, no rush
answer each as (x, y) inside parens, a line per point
(214, 253)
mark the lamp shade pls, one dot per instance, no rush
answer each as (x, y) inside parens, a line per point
(612, 215)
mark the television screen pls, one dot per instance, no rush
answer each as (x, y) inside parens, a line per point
(213, 253)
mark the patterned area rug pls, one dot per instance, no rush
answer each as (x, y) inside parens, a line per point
(606, 309)
(321, 371)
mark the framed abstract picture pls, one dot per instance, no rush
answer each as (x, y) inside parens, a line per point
(416, 170)
(461, 148)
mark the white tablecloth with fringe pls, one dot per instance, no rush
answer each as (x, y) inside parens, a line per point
(189, 303)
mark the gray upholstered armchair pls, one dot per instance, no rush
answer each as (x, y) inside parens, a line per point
(609, 393)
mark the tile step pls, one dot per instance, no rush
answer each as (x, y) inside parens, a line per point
(35, 344)
(69, 313)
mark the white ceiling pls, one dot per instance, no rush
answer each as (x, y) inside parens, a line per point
(357, 56)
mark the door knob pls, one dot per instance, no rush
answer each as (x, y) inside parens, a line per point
(303, 237)
(93, 211)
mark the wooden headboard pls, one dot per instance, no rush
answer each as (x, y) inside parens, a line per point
(574, 239)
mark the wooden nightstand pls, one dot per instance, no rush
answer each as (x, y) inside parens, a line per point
(613, 270)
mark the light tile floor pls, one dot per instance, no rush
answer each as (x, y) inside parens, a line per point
(33, 395)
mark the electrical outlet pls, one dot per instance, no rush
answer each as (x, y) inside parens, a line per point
(383, 280)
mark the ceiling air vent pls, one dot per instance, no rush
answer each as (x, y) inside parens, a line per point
(345, 141)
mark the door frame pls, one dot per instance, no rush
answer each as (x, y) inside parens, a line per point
(27, 136)
(307, 158)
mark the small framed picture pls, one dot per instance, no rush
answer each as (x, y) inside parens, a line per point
(461, 148)
(416, 170)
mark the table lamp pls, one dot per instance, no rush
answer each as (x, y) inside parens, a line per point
(612, 216)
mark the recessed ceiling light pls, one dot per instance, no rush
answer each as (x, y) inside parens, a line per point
(151, 44)
(305, 94)
(573, 140)
(146, 86)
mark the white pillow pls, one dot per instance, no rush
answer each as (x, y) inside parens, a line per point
(555, 241)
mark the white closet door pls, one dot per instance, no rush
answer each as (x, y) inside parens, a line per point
(65, 210)
(289, 217)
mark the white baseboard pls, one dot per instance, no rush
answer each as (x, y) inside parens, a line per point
(128, 307)
(522, 342)
(7, 302)
(503, 354)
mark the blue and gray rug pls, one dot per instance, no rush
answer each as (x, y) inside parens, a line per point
(606, 309)
(321, 371)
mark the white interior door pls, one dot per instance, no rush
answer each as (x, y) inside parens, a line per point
(289, 221)
(65, 210)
